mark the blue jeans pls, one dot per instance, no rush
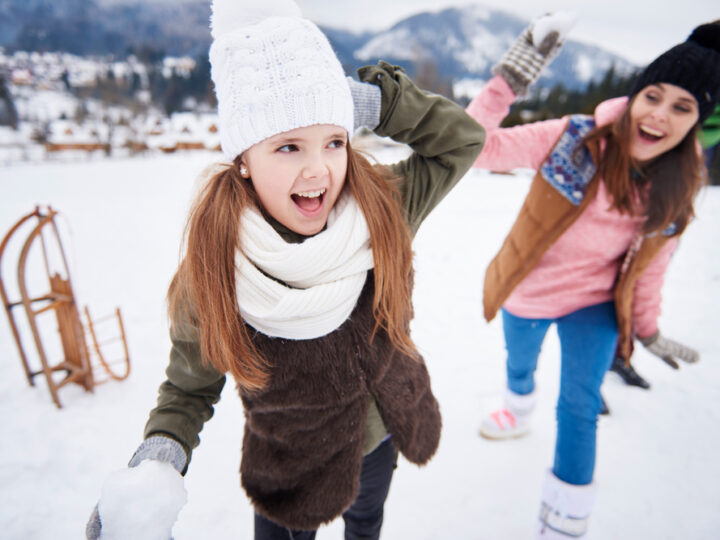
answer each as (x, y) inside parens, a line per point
(365, 516)
(588, 338)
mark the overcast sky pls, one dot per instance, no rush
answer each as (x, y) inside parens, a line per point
(639, 30)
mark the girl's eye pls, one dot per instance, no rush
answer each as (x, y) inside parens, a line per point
(287, 148)
(652, 97)
(683, 108)
(338, 143)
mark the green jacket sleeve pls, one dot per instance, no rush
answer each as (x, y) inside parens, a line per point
(445, 140)
(710, 132)
(186, 398)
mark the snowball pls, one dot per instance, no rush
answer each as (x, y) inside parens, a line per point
(141, 503)
(228, 15)
(560, 22)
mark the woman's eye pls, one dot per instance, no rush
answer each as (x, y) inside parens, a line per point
(338, 143)
(683, 108)
(652, 97)
(287, 148)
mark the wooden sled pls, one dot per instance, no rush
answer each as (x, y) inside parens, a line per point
(79, 363)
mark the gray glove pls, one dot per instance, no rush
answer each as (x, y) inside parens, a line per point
(158, 448)
(668, 350)
(367, 103)
(533, 50)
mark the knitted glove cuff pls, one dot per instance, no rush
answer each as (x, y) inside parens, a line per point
(647, 341)
(367, 102)
(522, 64)
(162, 449)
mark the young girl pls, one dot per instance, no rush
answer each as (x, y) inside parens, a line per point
(591, 244)
(297, 275)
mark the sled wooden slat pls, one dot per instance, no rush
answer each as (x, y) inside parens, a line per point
(29, 374)
(60, 301)
(97, 346)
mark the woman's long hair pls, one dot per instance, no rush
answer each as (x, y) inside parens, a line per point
(662, 190)
(203, 289)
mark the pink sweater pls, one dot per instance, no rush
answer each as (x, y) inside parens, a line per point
(581, 267)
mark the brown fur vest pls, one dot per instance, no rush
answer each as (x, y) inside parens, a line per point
(303, 441)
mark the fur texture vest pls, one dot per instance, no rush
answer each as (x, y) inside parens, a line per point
(559, 193)
(303, 440)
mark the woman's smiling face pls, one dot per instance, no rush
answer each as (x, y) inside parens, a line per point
(661, 115)
(299, 174)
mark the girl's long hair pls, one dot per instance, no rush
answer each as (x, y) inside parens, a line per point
(662, 190)
(203, 288)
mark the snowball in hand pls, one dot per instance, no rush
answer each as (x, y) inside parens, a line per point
(141, 502)
(560, 22)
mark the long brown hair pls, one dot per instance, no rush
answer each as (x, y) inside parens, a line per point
(204, 286)
(662, 190)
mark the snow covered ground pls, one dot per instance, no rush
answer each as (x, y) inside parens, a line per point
(657, 467)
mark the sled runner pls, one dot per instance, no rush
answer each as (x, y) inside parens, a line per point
(80, 363)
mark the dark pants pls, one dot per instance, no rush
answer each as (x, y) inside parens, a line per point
(364, 518)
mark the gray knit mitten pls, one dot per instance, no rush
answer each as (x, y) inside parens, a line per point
(157, 448)
(668, 350)
(532, 51)
(367, 103)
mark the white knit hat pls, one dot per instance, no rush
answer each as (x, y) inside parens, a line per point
(273, 71)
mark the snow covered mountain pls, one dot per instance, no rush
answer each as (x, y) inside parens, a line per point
(460, 42)
(96, 27)
(465, 43)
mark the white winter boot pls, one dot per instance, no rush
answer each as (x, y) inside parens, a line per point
(565, 509)
(513, 420)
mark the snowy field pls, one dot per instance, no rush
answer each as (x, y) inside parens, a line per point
(658, 465)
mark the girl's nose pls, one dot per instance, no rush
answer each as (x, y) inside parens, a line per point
(314, 166)
(660, 114)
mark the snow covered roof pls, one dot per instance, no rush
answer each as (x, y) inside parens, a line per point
(67, 132)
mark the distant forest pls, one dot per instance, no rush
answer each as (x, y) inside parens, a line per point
(172, 93)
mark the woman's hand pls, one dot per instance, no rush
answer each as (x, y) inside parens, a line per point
(533, 50)
(669, 350)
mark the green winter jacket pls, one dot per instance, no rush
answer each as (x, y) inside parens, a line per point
(445, 142)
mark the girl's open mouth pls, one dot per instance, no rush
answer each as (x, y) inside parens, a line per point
(309, 201)
(649, 134)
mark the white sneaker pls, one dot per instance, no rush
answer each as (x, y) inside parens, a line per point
(503, 424)
(513, 420)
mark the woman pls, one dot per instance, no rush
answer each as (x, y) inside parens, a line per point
(589, 249)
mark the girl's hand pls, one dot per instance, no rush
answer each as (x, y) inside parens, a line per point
(367, 103)
(143, 500)
(536, 47)
(668, 350)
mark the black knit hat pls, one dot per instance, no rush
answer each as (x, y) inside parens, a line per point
(693, 65)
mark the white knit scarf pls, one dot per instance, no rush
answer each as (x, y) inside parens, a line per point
(321, 278)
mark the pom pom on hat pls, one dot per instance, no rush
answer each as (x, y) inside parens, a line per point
(229, 15)
(707, 35)
(273, 71)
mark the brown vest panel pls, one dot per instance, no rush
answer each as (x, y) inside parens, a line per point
(303, 440)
